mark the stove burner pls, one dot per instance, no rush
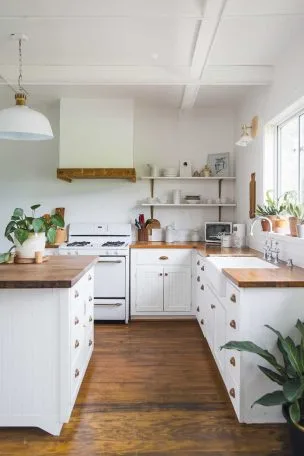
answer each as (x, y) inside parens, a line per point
(78, 244)
(113, 244)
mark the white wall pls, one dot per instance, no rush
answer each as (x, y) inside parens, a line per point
(28, 170)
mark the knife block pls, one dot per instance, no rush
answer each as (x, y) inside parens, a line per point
(142, 234)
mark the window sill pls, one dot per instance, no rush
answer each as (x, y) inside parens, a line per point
(286, 238)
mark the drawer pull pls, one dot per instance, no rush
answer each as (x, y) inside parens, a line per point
(90, 299)
(203, 268)
(166, 274)
(232, 361)
(233, 324)
(198, 279)
(90, 318)
(89, 277)
(202, 321)
(164, 258)
(76, 294)
(90, 342)
(198, 262)
(76, 321)
(233, 298)
(76, 343)
(160, 274)
(232, 392)
(77, 373)
(197, 309)
(202, 287)
(212, 306)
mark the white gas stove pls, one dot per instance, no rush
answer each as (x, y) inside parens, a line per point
(110, 242)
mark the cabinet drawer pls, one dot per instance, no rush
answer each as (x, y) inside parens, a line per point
(164, 256)
(232, 326)
(77, 343)
(233, 389)
(232, 295)
(233, 365)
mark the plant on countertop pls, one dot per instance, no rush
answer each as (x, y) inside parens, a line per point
(21, 226)
(288, 373)
(296, 210)
(5, 257)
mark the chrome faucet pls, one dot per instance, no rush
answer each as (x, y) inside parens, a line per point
(260, 218)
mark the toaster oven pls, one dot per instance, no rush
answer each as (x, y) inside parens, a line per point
(213, 230)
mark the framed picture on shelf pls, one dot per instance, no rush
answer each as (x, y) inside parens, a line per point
(219, 164)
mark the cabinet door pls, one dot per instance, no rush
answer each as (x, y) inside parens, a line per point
(220, 335)
(209, 316)
(149, 289)
(177, 289)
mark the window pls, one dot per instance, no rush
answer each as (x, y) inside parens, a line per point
(290, 156)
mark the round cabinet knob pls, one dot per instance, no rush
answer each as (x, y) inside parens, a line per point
(232, 361)
(76, 294)
(166, 274)
(90, 318)
(232, 392)
(198, 262)
(160, 274)
(202, 287)
(197, 309)
(198, 279)
(233, 298)
(76, 343)
(212, 306)
(202, 321)
(233, 324)
(76, 321)
(90, 299)
(77, 373)
(89, 277)
(90, 342)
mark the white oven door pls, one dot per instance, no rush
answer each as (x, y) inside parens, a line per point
(110, 277)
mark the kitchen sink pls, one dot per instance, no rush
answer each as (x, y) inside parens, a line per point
(214, 266)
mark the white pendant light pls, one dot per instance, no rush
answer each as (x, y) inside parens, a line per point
(21, 122)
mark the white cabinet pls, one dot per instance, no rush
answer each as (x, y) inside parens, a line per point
(161, 282)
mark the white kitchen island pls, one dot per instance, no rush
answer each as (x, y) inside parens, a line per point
(46, 339)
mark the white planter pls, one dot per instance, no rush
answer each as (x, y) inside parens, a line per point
(34, 243)
(300, 230)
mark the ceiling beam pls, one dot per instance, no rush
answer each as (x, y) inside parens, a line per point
(204, 42)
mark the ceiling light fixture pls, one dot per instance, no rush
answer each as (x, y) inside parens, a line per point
(21, 122)
(248, 133)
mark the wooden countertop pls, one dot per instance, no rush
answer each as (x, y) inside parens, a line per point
(267, 278)
(57, 272)
(166, 245)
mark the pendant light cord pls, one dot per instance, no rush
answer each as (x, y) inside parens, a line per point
(20, 87)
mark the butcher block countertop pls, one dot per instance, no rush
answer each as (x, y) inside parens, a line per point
(57, 272)
(282, 277)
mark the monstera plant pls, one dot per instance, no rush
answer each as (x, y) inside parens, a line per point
(288, 373)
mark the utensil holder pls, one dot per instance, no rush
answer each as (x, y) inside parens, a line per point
(142, 234)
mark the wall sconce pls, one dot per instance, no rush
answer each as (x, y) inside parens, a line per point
(248, 133)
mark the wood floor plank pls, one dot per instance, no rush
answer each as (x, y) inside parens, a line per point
(152, 389)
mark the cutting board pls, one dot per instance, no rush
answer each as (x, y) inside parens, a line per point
(152, 223)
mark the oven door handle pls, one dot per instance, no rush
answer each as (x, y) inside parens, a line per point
(110, 304)
(110, 261)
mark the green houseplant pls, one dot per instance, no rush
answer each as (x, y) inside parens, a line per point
(289, 374)
(29, 233)
(296, 218)
(274, 209)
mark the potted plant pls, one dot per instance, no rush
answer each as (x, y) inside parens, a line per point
(274, 208)
(7, 257)
(289, 374)
(29, 233)
(296, 218)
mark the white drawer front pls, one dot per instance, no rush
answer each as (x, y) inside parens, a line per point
(110, 309)
(164, 257)
(233, 365)
(233, 389)
(232, 295)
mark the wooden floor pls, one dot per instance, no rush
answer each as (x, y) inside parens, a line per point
(152, 389)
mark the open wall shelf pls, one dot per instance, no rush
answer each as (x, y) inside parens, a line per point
(187, 205)
(188, 178)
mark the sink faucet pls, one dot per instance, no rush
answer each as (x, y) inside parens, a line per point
(260, 218)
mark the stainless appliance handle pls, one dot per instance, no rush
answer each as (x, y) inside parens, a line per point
(109, 261)
(110, 304)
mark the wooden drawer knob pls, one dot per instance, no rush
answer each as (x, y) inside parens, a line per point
(90, 342)
(202, 287)
(233, 298)
(198, 262)
(198, 279)
(212, 306)
(76, 343)
(89, 277)
(90, 318)
(197, 309)
(76, 321)
(233, 324)
(164, 258)
(77, 373)
(232, 361)
(232, 392)
(76, 294)
(203, 268)
(202, 321)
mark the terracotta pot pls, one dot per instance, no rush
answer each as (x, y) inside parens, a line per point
(293, 222)
(265, 223)
(281, 226)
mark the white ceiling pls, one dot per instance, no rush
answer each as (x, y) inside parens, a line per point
(178, 53)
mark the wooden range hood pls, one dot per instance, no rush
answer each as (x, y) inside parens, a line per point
(68, 174)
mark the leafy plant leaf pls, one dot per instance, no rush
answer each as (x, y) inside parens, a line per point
(277, 378)
(18, 212)
(35, 206)
(4, 257)
(250, 347)
(270, 399)
(57, 220)
(11, 226)
(289, 348)
(51, 235)
(37, 224)
(21, 235)
(295, 412)
(293, 389)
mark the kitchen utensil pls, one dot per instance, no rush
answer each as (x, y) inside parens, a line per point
(141, 220)
(137, 224)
